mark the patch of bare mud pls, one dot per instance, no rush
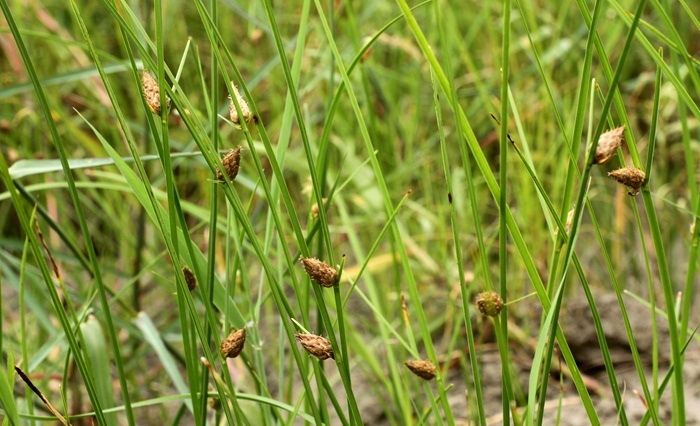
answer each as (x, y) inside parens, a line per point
(563, 402)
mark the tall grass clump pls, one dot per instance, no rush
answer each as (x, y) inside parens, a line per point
(261, 213)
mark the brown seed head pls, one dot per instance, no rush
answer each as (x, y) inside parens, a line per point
(318, 346)
(245, 109)
(422, 368)
(608, 143)
(631, 177)
(489, 303)
(232, 346)
(151, 92)
(321, 272)
(232, 162)
(190, 279)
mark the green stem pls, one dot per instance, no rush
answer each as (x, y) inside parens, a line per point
(507, 386)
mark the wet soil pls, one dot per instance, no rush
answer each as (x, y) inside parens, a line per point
(563, 402)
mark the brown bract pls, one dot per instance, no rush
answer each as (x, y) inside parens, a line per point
(320, 272)
(318, 346)
(608, 143)
(631, 177)
(232, 346)
(422, 368)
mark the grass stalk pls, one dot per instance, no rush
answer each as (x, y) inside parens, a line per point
(503, 346)
(456, 229)
(213, 218)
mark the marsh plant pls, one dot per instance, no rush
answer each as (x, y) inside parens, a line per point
(348, 212)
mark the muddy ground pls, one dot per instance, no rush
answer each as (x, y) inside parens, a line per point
(580, 331)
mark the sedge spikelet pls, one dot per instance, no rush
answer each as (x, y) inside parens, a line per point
(232, 346)
(631, 177)
(324, 274)
(422, 368)
(245, 109)
(318, 346)
(608, 143)
(151, 91)
(489, 303)
(232, 162)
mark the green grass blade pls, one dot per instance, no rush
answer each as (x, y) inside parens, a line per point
(7, 397)
(23, 168)
(507, 385)
(152, 336)
(539, 359)
(66, 78)
(464, 290)
(96, 350)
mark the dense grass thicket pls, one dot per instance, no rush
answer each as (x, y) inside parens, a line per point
(420, 193)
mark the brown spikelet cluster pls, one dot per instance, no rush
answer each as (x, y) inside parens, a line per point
(232, 162)
(631, 177)
(151, 92)
(608, 143)
(489, 303)
(232, 346)
(320, 272)
(318, 346)
(190, 279)
(245, 109)
(422, 368)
